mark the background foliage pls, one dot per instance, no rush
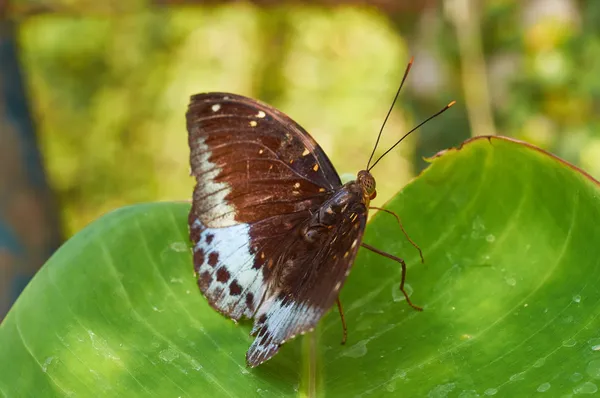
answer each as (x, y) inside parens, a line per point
(110, 85)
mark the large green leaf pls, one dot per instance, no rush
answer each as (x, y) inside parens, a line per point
(510, 286)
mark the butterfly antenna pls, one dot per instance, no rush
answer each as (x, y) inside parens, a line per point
(411, 131)
(391, 107)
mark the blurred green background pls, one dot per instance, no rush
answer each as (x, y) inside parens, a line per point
(108, 83)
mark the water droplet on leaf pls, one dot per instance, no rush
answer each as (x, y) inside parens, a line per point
(397, 295)
(441, 391)
(575, 377)
(569, 343)
(179, 246)
(543, 387)
(168, 355)
(585, 388)
(593, 369)
(357, 350)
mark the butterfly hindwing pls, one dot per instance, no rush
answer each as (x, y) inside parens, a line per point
(234, 263)
(305, 284)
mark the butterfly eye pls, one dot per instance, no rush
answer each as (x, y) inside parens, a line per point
(366, 180)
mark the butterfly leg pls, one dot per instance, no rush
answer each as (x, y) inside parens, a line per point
(402, 228)
(345, 336)
(403, 264)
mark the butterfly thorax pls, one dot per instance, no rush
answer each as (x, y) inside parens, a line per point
(347, 202)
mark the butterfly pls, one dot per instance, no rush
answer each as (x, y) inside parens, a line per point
(274, 230)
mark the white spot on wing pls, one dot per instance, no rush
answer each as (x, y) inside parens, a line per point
(215, 107)
(260, 114)
(209, 197)
(306, 152)
(253, 123)
(233, 246)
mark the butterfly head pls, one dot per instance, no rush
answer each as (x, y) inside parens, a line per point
(367, 182)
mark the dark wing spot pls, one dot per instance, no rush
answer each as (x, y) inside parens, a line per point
(194, 232)
(223, 275)
(262, 333)
(198, 260)
(266, 339)
(263, 318)
(257, 263)
(209, 238)
(234, 288)
(213, 259)
(205, 280)
(284, 298)
(250, 301)
(218, 291)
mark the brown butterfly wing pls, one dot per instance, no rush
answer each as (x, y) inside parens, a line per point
(259, 178)
(306, 283)
(254, 159)
(258, 175)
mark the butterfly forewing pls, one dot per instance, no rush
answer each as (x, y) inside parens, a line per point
(252, 161)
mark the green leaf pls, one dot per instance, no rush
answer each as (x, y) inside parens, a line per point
(509, 285)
